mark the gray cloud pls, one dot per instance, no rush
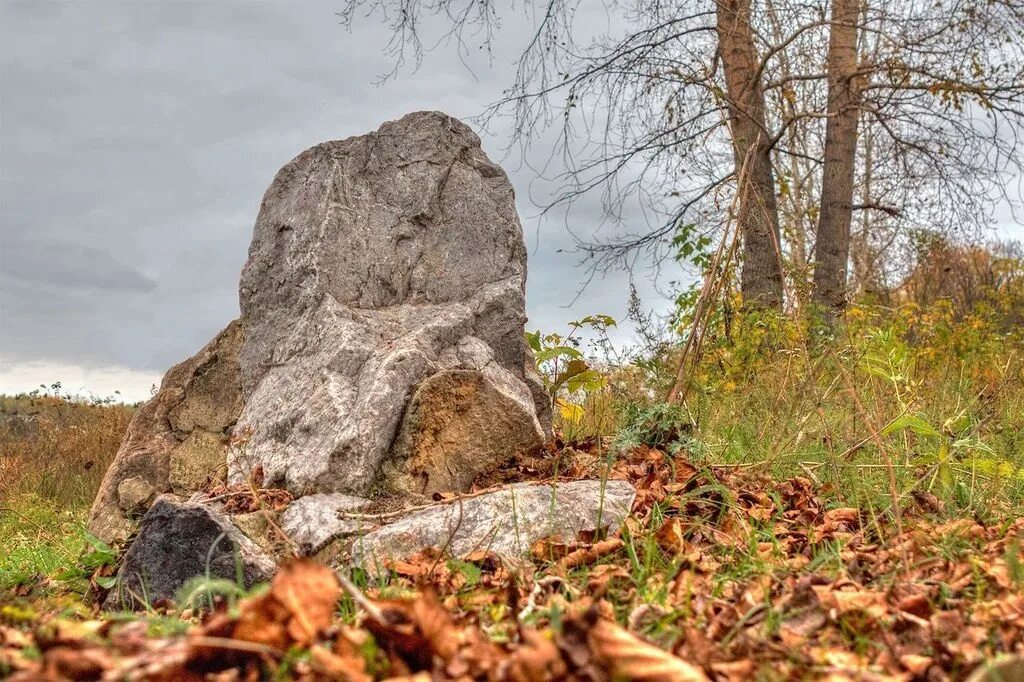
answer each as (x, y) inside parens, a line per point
(62, 265)
(136, 140)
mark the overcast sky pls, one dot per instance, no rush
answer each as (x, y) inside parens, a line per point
(136, 140)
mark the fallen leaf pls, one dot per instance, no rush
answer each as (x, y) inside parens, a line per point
(587, 555)
(627, 656)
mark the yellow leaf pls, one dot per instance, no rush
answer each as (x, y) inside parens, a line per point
(571, 412)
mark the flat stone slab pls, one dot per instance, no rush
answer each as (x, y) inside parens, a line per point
(311, 522)
(506, 522)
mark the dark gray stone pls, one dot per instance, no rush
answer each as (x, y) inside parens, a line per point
(177, 542)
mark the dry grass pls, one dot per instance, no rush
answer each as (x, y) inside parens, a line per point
(906, 401)
(57, 449)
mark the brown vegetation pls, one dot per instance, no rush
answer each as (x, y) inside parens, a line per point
(57, 447)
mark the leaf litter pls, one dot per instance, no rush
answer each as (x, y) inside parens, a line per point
(718, 574)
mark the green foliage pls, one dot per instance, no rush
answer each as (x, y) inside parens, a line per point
(564, 369)
(691, 246)
(657, 425)
(203, 592)
(929, 398)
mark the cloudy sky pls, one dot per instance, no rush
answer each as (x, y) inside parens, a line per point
(137, 138)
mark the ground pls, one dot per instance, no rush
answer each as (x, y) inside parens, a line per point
(847, 512)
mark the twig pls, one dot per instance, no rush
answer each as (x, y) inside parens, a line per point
(238, 493)
(235, 644)
(361, 600)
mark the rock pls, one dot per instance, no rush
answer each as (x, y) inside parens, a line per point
(200, 458)
(380, 346)
(199, 400)
(257, 526)
(311, 522)
(506, 522)
(134, 495)
(177, 542)
(376, 263)
(458, 424)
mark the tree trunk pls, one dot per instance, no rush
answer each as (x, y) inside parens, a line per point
(761, 278)
(833, 240)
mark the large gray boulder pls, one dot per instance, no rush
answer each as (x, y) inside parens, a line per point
(178, 542)
(506, 522)
(380, 345)
(377, 263)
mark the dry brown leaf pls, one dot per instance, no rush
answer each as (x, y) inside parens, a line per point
(671, 536)
(298, 607)
(587, 555)
(72, 663)
(421, 631)
(630, 657)
(536, 657)
(916, 664)
(551, 548)
(350, 668)
(625, 655)
(735, 671)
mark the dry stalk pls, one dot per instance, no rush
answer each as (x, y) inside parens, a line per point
(713, 283)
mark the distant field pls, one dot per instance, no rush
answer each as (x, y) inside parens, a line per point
(53, 453)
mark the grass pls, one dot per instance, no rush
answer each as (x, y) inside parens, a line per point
(53, 453)
(912, 416)
(40, 539)
(905, 401)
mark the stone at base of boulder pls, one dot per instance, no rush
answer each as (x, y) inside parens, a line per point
(506, 522)
(459, 424)
(311, 522)
(259, 526)
(177, 542)
(203, 394)
(134, 495)
(202, 457)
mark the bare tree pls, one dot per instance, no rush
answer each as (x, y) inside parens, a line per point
(939, 91)
(904, 113)
(758, 209)
(833, 233)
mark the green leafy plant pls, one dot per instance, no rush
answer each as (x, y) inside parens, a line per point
(656, 425)
(563, 368)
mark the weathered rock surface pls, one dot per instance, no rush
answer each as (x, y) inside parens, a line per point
(380, 347)
(134, 495)
(198, 403)
(312, 521)
(506, 522)
(177, 542)
(376, 263)
(459, 423)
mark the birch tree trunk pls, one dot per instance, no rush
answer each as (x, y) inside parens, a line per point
(761, 277)
(833, 238)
